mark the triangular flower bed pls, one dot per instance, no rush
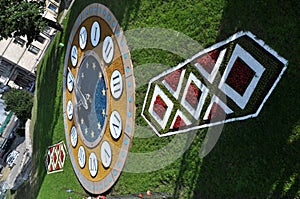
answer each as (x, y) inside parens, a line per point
(208, 60)
(172, 79)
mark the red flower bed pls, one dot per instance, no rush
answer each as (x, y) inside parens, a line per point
(193, 95)
(209, 60)
(240, 76)
(160, 107)
(173, 78)
(54, 157)
(62, 156)
(216, 112)
(51, 168)
(178, 123)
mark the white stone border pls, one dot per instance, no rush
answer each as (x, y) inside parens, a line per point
(239, 52)
(183, 117)
(175, 93)
(211, 76)
(217, 45)
(220, 103)
(164, 97)
(204, 91)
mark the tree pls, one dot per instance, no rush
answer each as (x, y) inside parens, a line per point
(23, 18)
(20, 102)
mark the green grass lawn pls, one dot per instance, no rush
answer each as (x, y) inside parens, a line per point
(254, 158)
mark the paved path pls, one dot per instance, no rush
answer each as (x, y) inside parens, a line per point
(66, 11)
(18, 165)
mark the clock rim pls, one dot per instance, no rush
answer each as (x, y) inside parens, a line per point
(111, 178)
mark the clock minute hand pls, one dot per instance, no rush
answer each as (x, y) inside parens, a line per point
(83, 99)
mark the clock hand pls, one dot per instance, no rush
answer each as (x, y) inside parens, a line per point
(83, 99)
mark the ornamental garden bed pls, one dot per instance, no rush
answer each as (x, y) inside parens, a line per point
(248, 71)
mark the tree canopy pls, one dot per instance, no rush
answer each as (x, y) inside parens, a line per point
(20, 102)
(21, 18)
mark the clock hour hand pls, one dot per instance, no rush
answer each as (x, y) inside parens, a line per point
(78, 91)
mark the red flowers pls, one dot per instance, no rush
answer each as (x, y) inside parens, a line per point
(193, 95)
(240, 76)
(62, 155)
(216, 112)
(209, 60)
(160, 107)
(178, 123)
(173, 78)
(54, 157)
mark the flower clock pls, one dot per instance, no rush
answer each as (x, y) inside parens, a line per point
(98, 99)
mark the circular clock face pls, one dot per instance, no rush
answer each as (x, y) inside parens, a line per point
(98, 99)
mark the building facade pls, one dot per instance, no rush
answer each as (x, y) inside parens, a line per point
(18, 63)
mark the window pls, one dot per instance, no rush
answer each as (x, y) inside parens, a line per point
(6, 63)
(47, 31)
(52, 7)
(35, 50)
(40, 39)
(19, 41)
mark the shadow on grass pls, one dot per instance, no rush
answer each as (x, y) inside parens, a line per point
(46, 116)
(256, 158)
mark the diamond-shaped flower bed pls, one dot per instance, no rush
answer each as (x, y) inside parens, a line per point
(55, 159)
(193, 95)
(240, 76)
(239, 83)
(160, 107)
(209, 60)
(242, 64)
(62, 156)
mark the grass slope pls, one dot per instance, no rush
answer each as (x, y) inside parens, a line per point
(253, 158)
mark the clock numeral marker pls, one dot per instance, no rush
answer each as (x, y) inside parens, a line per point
(82, 37)
(70, 81)
(108, 49)
(106, 154)
(70, 110)
(81, 156)
(115, 125)
(74, 56)
(95, 33)
(93, 164)
(74, 136)
(116, 84)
